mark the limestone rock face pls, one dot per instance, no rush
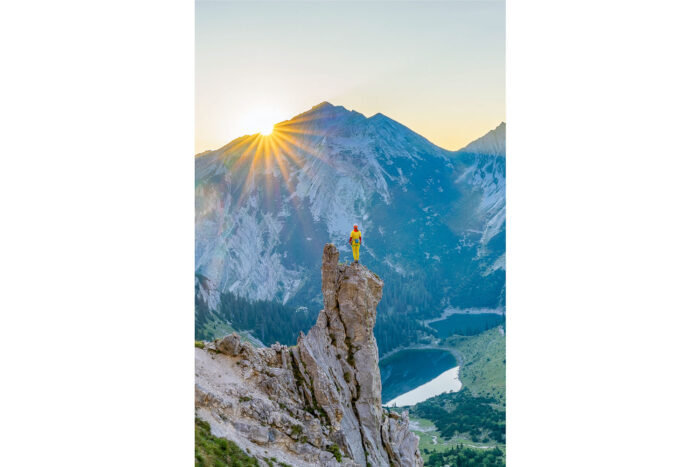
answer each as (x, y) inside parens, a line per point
(296, 404)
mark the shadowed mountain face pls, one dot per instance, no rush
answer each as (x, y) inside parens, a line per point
(432, 221)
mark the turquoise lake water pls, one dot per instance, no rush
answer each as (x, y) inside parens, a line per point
(408, 369)
(467, 324)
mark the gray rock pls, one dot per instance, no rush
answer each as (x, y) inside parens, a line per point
(295, 403)
(229, 345)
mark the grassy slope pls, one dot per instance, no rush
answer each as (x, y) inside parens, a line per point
(212, 451)
(216, 328)
(484, 370)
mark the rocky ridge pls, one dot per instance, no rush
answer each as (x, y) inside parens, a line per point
(318, 401)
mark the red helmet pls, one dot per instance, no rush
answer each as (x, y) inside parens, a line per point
(354, 226)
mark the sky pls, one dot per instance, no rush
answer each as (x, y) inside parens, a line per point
(436, 67)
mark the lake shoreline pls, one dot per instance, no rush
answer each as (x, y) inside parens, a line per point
(458, 356)
(449, 311)
(447, 381)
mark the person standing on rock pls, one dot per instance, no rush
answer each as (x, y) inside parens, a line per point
(355, 242)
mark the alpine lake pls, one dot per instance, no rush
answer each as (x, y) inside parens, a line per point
(415, 374)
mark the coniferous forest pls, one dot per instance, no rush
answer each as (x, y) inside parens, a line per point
(464, 457)
(269, 321)
(455, 413)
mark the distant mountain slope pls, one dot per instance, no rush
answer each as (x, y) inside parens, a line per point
(492, 143)
(432, 220)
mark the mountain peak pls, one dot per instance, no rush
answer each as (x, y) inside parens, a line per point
(324, 110)
(326, 107)
(492, 143)
(322, 105)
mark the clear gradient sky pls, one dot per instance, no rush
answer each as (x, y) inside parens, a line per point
(436, 67)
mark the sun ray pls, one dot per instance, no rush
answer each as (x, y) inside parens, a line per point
(282, 155)
(299, 142)
(285, 142)
(269, 169)
(230, 150)
(271, 161)
(251, 156)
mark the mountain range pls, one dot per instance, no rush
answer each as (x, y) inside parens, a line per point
(432, 220)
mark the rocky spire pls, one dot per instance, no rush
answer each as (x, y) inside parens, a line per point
(322, 396)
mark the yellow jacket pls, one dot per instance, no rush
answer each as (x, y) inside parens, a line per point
(356, 237)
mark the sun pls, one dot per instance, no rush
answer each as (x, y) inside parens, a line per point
(260, 121)
(267, 129)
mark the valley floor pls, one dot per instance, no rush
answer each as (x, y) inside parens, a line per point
(430, 439)
(482, 373)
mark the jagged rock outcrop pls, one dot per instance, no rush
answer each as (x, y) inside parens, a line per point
(300, 404)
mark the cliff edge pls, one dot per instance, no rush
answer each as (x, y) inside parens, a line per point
(316, 403)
